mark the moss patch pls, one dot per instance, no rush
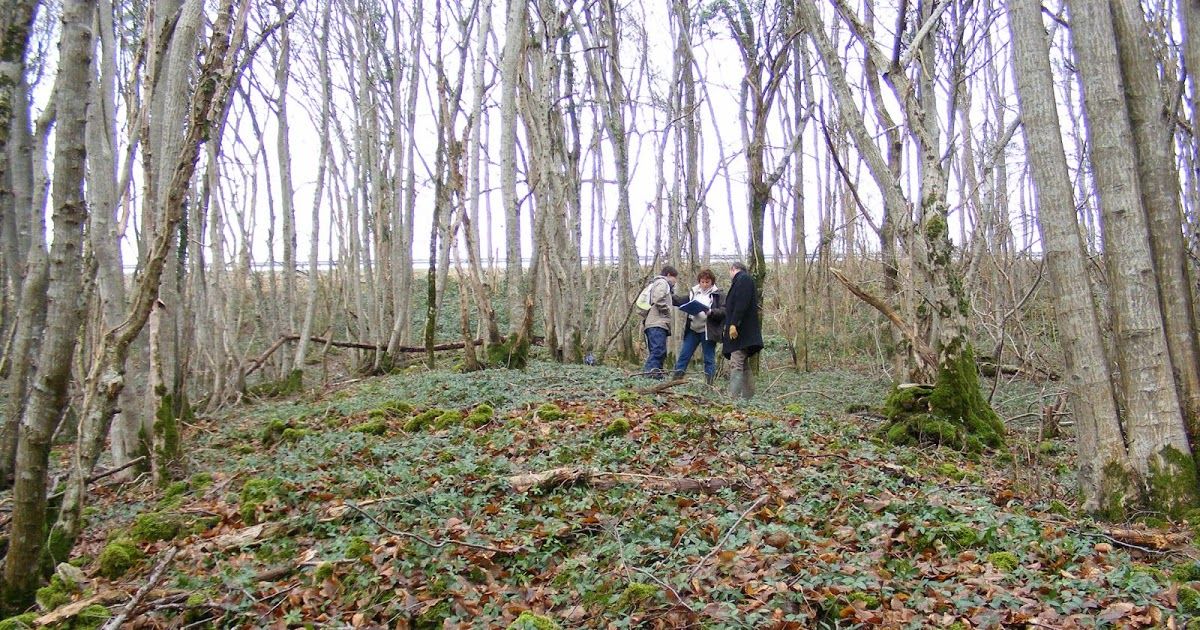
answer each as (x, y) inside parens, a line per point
(20, 622)
(423, 420)
(91, 618)
(530, 621)
(1172, 482)
(480, 415)
(117, 558)
(154, 526)
(293, 383)
(616, 428)
(549, 412)
(1189, 601)
(635, 595)
(448, 419)
(1004, 560)
(357, 548)
(375, 426)
(255, 492)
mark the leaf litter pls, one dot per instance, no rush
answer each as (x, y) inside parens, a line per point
(696, 513)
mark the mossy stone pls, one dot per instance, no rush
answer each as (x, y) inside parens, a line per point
(635, 595)
(1188, 572)
(117, 558)
(273, 431)
(423, 420)
(255, 492)
(154, 526)
(1189, 601)
(52, 596)
(91, 618)
(376, 426)
(626, 396)
(291, 436)
(448, 419)
(480, 415)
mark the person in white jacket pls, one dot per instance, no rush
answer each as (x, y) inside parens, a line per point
(703, 330)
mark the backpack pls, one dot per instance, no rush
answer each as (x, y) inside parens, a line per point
(643, 303)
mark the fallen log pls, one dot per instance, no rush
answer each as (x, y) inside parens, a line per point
(569, 475)
(69, 611)
(661, 387)
(1149, 539)
(358, 345)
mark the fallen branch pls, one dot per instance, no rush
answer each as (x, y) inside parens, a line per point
(1146, 540)
(570, 475)
(155, 575)
(107, 473)
(69, 611)
(358, 345)
(262, 358)
(425, 541)
(661, 387)
(753, 506)
(923, 351)
(244, 536)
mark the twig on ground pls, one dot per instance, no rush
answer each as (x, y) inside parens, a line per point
(425, 541)
(661, 387)
(155, 576)
(753, 506)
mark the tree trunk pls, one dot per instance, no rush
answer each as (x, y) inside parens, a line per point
(1159, 184)
(1154, 427)
(106, 378)
(48, 396)
(1103, 465)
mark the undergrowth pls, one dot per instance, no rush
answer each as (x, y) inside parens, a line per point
(367, 514)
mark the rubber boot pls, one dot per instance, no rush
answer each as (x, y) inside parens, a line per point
(736, 383)
(747, 384)
(676, 375)
(709, 379)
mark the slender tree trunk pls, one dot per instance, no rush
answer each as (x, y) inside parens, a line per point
(510, 71)
(48, 396)
(1102, 460)
(106, 378)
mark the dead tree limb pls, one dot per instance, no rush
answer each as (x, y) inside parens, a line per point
(923, 351)
(155, 576)
(571, 475)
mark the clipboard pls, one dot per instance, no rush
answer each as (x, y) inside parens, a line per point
(693, 307)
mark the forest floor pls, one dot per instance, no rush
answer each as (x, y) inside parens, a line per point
(578, 501)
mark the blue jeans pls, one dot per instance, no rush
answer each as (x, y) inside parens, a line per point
(691, 339)
(656, 342)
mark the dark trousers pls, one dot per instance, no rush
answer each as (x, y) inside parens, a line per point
(656, 342)
(692, 340)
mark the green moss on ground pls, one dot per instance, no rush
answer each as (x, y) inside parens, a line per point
(616, 428)
(255, 492)
(118, 557)
(423, 420)
(530, 621)
(480, 415)
(154, 526)
(549, 412)
(91, 618)
(374, 426)
(293, 383)
(448, 419)
(1004, 560)
(20, 622)
(508, 354)
(634, 595)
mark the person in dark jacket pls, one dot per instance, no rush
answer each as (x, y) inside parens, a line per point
(702, 329)
(742, 331)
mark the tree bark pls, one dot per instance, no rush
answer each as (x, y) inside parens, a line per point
(1103, 463)
(48, 396)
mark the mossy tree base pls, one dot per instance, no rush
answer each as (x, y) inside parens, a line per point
(512, 353)
(951, 413)
(1171, 483)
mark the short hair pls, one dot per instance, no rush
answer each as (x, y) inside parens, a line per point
(739, 265)
(668, 270)
(706, 273)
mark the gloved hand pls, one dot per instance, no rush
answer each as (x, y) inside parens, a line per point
(732, 331)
